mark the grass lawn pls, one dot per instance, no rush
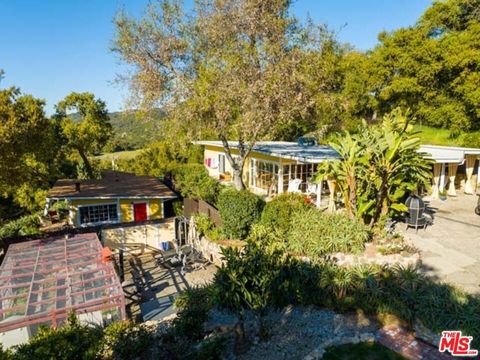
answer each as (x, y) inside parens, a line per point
(435, 136)
(361, 351)
(129, 154)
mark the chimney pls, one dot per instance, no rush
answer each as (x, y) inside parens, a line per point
(77, 187)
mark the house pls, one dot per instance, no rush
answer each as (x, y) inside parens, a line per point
(279, 166)
(454, 167)
(43, 281)
(117, 197)
(273, 167)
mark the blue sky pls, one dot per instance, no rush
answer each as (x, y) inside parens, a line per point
(49, 48)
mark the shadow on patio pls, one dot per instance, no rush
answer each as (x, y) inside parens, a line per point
(150, 289)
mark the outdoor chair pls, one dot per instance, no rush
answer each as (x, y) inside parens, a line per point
(294, 186)
(416, 213)
(311, 187)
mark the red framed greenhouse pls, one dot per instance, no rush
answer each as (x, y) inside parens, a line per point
(43, 281)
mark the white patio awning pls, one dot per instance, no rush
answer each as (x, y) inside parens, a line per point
(447, 154)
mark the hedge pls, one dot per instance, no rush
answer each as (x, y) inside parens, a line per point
(239, 210)
(277, 214)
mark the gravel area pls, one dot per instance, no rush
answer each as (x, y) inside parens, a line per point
(299, 332)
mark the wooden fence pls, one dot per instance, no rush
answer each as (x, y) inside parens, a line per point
(191, 207)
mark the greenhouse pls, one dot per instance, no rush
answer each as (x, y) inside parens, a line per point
(43, 281)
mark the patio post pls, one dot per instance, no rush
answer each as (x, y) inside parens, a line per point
(436, 180)
(331, 202)
(442, 179)
(470, 163)
(280, 178)
(478, 174)
(319, 194)
(452, 172)
(47, 206)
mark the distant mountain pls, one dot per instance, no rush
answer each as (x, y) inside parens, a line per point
(134, 129)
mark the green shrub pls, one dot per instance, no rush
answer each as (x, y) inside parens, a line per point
(193, 306)
(125, 340)
(239, 210)
(277, 214)
(26, 225)
(73, 341)
(194, 182)
(215, 234)
(177, 207)
(204, 224)
(206, 227)
(6, 354)
(471, 139)
(30, 198)
(314, 233)
(256, 278)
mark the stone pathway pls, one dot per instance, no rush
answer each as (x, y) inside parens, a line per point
(450, 248)
(404, 343)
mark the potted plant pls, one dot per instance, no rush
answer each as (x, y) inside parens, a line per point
(442, 195)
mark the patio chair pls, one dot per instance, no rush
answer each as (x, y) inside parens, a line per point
(294, 186)
(311, 187)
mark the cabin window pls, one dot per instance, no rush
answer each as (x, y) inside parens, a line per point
(221, 163)
(94, 214)
(263, 174)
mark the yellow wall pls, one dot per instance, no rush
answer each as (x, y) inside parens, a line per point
(126, 212)
(154, 208)
(213, 151)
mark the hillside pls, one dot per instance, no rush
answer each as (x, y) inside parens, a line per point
(132, 129)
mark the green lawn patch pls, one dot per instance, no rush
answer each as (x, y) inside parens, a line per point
(436, 136)
(361, 351)
(126, 155)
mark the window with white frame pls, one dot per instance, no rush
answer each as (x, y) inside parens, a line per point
(263, 174)
(94, 214)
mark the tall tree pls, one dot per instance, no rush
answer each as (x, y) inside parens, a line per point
(433, 67)
(88, 134)
(28, 143)
(229, 70)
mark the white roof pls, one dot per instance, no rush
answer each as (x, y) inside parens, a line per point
(287, 150)
(448, 154)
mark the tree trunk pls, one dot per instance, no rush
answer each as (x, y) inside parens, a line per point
(381, 195)
(238, 179)
(237, 163)
(86, 163)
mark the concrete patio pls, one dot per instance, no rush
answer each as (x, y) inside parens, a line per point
(151, 296)
(450, 248)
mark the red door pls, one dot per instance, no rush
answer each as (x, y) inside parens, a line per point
(140, 212)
